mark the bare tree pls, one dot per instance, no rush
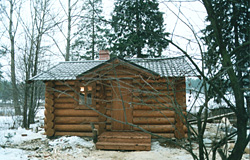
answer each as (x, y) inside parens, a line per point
(72, 13)
(12, 16)
(32, 54)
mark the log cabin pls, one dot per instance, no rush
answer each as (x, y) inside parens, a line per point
(122, 100)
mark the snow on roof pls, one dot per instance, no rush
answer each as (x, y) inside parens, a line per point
(165, 67)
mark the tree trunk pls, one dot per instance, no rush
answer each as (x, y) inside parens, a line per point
(12, 52)
(69, 30)
(241, 113)
(93, 31)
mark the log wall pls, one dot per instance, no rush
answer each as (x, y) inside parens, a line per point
(68, 120)
(158, 106)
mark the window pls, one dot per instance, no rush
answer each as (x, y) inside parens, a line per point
(85, 95)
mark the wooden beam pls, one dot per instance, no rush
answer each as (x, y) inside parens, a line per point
(75, 113)
(74, 127)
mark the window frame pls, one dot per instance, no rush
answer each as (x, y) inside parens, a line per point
(78, 86)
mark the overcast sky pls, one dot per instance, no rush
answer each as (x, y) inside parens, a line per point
(192, 13)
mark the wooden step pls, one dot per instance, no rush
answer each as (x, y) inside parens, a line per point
(124, 141)
(123, 146)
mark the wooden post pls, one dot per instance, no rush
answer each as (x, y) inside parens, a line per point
(49, 109)
(180, 103)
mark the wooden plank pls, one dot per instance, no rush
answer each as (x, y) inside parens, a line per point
(75, 120)
(75, 113)
(80, 134)
(121, 110)
(126, 134)
(123, 146)
(125, 140)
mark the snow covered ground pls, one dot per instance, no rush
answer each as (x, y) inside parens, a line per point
(22, 144)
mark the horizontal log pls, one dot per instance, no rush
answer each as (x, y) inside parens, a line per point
(83, 107)
(65, 88)
(49, 101)
(106, 105)
(75, 120)
(165, 135)
(157, 128)
(49, 116)
(64, 106)
(185, 128)
(49, 95)
(162, 87)
(108, 113)
(98, 87)
(74, 128)
(107, 93)
(75, 113)
(108, 127)
(80, 134)
(160, 80)
(49, 84)
(50, 109)
(69, 94)
(148, 113)
(153, 120)
(152, 100)
(63, 83)
(48, 106)
(139, 93)
(50, 124)
(163, 106)
(50, 132)
(64, 100)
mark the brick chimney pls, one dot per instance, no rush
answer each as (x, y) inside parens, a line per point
(104, 55)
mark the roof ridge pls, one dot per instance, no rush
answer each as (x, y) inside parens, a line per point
(82, 61)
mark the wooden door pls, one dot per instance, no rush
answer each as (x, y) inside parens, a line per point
(121, 105)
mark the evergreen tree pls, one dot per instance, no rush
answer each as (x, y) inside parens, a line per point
(138, 28)
(234, 19)
(228, 59)
(90, 35)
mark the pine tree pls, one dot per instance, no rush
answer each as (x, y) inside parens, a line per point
(90, 35)
(138, 28)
